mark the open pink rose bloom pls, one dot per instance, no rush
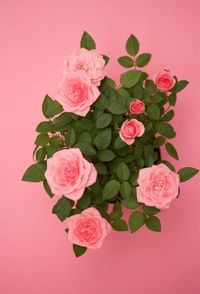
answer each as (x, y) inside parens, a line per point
(164, 81)
(68, 173)
(131, 129)
(158, 186)
(88, 229)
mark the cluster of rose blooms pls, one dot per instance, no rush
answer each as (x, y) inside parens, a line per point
(69, 173)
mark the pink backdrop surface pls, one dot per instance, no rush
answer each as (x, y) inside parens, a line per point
(35, 255)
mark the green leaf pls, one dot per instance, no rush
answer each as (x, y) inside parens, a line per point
(150, 85)
(35, 173)
(165, 129)
(70, 137)
(103, 121)
(134, 181)
(40, 154)
(79, 250)
(171, 150)
(153, 111)
(132, 45)
(63, 120)
(168, 116)
(187, 173)
(124, 95)
(138, 150)
(50, 150)
(85, 200)
(123, 172)
(130, 78)
(111, 189)
(87, 41)
(147, 98)
(116, 103)
(153, 223)
(85, 137)
(126, 61)
(103, 139)
(125, 189)
(101, 103)
(106, 155)
(62, 208)
(138, 92)
(120, 225)
(136, 220)
(116, 107)
(149, 160)
(106, 58)
(130, 203)
(83, 124)
(118, 144)
(157, 98)
(42, 139)
(108, 82)
(150, 210)
(51, 107)
(101, 168)
(86, 149)
(140, 163)
(159, 141)
(47, 188)
(44, 127)
(143, 59)
(179, 86)
(115, 214)
(172, 99)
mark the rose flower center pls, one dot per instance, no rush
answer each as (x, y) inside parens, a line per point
(78, 93)
(159, 183)
(165, 81)
(87, 230)
(71, 172)
(131, 130)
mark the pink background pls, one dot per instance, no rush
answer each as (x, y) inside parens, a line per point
(35, 255)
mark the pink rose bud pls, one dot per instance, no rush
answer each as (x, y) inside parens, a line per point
(77, 93)
(88, 229)
(69, 173)
(164, 81)
(91, 61)
(137, 106)
(131, 129)
(158, 186)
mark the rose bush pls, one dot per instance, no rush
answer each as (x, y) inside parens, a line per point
(98, 150)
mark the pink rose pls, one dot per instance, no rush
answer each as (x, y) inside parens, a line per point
(91, 61)
(137, 106)
(158, 186)
(76, 93)
(88, 229)
(164, 81)
(68, 173)
(131, 129)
